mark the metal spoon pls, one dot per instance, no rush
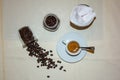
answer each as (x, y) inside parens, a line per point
(89, 49)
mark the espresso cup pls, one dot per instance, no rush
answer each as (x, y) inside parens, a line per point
(72, 47)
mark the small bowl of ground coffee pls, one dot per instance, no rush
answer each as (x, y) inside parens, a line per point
(51, 22)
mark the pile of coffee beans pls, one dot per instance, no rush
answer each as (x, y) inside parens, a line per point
(34, 50)
(51, 20)
(43, 56)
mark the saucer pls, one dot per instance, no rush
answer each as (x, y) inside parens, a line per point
(61, 47)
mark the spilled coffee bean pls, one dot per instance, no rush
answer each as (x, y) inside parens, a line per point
(58, 61)
(51, 54)
(64, 70)
(61, 68)
(48, 76)
(51, 51)
(37, 66)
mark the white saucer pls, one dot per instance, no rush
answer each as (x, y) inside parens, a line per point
(61, 47)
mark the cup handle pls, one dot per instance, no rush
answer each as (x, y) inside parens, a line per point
(65, 42)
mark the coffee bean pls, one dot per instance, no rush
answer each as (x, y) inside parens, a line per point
(64, 70)
(58, 61)
(30, 54)
(51, 51)
(48, 76)
(61, 68)
(41, 65)
(51, 54)
(37, 66)
(44, 49)
(28, 49)
(36, 45)
(56, 65)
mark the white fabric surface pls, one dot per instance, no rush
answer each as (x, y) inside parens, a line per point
(1, 56)
(82, 15)
(103, 34)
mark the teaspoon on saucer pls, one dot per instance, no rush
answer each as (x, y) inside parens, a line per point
(89, 49)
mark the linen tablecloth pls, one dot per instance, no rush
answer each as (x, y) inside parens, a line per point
(15, 64)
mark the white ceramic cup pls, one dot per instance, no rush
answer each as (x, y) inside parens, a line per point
(72, 47)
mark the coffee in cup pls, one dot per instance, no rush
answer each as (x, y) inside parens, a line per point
(72, 47)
